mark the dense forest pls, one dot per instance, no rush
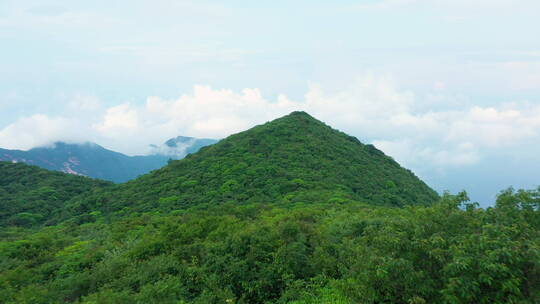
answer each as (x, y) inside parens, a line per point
(287, 212)
(30, 195)
(293, 159)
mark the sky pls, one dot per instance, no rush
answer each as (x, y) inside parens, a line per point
(448, 88)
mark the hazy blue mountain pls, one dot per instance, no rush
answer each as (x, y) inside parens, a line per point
(92, 160)
(179, 147)
(86, 159)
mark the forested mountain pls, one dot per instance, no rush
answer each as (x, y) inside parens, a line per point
(291, 211)
(294, 159)
(30, 195)
(92, 160)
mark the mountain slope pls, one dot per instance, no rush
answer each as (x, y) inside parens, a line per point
(294, 159)
(30, 195)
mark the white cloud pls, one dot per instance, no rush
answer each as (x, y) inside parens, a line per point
(119, 119)
(205, 112)
(373, 108)
(39, 130)
(416, 154)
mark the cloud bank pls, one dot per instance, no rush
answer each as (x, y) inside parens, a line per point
(373, 108)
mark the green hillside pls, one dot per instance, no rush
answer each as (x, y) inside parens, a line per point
(30, 195)
(294, 159)
(291, 211)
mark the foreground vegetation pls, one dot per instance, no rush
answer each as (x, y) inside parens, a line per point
(339, 252)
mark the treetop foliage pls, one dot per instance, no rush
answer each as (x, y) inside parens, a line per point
(30, 195)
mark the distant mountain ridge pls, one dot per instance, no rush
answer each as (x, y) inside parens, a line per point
(93, 160)
(180, 146)
(87, 159)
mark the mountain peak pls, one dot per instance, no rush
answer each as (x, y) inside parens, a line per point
(174, 142)
(298, 128)
(66, 145)
(295, 158)
(299, 114)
